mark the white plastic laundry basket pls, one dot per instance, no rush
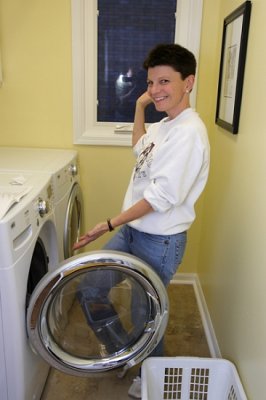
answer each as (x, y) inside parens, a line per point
(190, 378)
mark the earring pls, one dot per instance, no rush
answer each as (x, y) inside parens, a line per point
(187, 91)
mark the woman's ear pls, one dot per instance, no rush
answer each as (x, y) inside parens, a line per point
(190, 83)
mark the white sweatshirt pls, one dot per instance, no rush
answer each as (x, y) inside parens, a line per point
(170, 173)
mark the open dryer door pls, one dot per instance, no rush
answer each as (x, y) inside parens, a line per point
(97, 312)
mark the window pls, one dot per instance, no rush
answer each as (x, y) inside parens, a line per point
(126, 33)
(108, 55)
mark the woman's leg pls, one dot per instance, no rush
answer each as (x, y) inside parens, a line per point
(93, 294)
(164, 254)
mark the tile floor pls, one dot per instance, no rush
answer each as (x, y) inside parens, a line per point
(184, 337)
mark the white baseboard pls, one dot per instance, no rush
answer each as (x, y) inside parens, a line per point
(193, 279)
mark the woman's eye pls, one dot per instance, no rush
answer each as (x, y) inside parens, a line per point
(164, 81)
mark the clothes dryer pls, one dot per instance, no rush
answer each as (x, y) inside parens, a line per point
(63, 167)
(28, 251)
(64, 329)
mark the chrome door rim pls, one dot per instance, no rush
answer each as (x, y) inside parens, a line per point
(75, 194)
(38, 331)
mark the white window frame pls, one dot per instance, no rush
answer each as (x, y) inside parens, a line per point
(84, 63)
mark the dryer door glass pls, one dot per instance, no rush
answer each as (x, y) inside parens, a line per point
(38, 268)
(98, 312)
(73, 220)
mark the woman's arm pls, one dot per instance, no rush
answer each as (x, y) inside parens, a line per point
(139, 209)
(139, 119)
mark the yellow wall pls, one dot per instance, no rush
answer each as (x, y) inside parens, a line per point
(226, 244)
(232, 262)
(36, 106)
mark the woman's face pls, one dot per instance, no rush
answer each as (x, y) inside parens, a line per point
(168, 91)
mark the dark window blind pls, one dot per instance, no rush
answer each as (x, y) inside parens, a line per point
(127, 30)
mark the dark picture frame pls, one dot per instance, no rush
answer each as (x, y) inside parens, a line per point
(232, 66)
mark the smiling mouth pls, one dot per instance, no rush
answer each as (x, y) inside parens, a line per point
(159, 99)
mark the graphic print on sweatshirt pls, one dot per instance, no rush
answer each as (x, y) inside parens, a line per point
(144, 161)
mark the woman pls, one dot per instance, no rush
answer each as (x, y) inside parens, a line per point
(170, 173)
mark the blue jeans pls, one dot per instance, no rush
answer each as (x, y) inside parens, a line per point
(163, 253)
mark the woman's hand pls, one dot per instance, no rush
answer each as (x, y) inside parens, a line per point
(144, 100)
(99, 230)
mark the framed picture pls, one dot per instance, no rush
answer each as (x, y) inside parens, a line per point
(232, 66)
(1, 79)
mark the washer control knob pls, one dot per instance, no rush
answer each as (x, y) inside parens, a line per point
(43, 207)
(73, 169)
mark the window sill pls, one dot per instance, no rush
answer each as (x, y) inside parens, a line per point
(104, 136)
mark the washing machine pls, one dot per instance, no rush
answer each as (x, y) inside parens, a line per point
(28, 248)
(63, 166)
(68, 332)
